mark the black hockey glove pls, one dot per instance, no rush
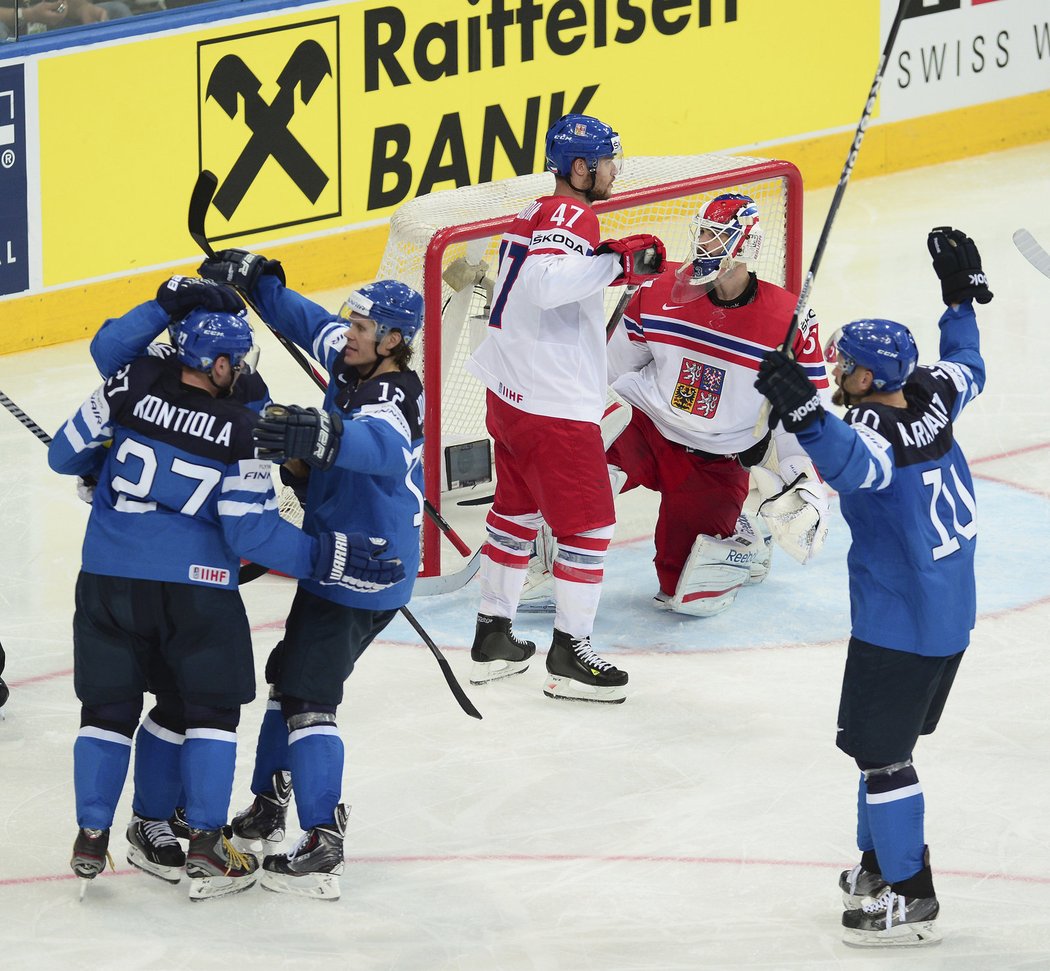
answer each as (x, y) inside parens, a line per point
(290, 432)
(240, 269)
(640, 256)
(179, 295)
(958, 266)
(351, 560)
(792, 396)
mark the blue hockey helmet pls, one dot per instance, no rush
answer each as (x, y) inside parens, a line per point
(203, 336)
(884, 347)
(580, 136)
(392, 305)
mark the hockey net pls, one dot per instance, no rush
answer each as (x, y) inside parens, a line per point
(445, 245)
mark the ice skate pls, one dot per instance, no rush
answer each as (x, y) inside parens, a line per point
(313, 866)
(496, 652)
(180, 829)
(264, 820)
(153, 848)
(858, 884)
(892, 920)
(216, 867)
(576, 673)
(90, 855)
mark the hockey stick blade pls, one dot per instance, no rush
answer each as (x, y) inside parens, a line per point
(460, 696)
(1032, 251)
(200, 202)
(450, 583)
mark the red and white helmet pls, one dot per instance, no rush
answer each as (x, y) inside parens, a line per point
(733, 219)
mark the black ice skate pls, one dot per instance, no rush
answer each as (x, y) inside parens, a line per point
(180, 829)
(90, 853)
(216, 867)
(152, 847)
(264, 820)
(576, 673)
(496, 652)
(864, 880)
(313, 866)
(904, 914)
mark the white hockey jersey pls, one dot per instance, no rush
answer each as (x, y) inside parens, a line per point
(691, 368)
(544, 352)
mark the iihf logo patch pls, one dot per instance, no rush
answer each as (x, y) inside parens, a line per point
(699, 389)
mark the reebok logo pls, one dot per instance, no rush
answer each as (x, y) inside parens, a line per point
(978, 280)
(809, 408)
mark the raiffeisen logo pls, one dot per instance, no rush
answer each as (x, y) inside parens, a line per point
(503, 33)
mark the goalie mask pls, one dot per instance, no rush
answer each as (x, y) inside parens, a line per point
(884, 347)
(580, 136)
(203, 336)
(723, 233)
(392, 305)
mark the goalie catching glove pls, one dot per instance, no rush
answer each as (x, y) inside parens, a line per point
(794, 506)
(290, 432)
(641, 256)
(352, 561)
(239, 268)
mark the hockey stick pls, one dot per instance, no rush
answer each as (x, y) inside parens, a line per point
(836, 201)
(24, 419)
(621, 306)
(200, 202)
(449, 582)
(1032, 251)
(464, 701)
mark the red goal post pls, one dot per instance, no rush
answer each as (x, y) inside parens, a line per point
(463, 227)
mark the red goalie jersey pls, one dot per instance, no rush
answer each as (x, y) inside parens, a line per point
(691, 367)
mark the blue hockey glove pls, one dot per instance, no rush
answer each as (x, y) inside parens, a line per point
(792, 396)
(179, 295)
(290, 432)
(958, 266)
(351, 560)
(239, 268)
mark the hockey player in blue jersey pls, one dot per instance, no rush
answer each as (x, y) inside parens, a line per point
(151, 836)
(180, 497)
(906, 493)
(362, 450)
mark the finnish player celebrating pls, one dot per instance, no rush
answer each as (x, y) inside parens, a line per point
(543, 362)
(362, 451)
(684, 360)
(180, 496)
(906, 493)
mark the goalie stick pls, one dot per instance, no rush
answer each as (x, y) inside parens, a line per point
(1032, 251)
(200, 202)
(836, 201)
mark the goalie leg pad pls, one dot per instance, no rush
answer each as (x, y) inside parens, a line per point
(752, 531)
(713, 574)
(537, 596)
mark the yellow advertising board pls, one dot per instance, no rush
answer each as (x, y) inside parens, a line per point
(329, 117)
